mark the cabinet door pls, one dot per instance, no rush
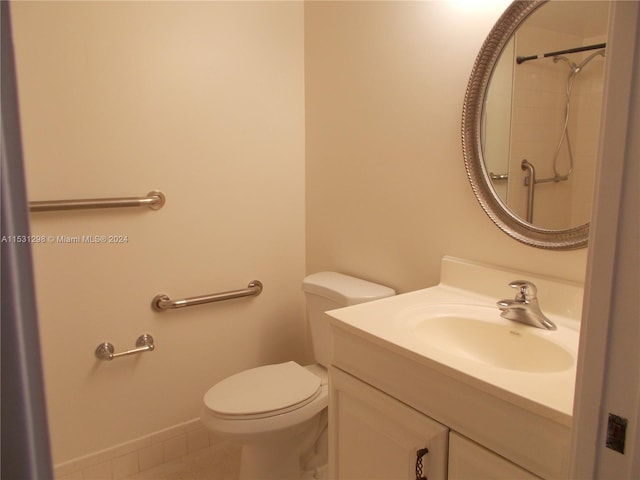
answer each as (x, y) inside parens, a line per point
(374, 436)
(470, 461)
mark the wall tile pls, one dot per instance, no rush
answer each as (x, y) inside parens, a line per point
(175, 448)
(197, 440)
(125, 466)
(101, 471)
(151, 456)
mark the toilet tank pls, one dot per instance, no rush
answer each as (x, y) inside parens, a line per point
(330, 290)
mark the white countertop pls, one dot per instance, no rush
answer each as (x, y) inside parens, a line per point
(547, 393)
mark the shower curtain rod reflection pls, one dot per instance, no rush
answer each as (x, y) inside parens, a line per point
(520, 60)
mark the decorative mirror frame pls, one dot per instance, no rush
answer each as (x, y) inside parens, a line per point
(474, 99)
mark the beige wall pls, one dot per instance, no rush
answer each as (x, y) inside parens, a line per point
(387, 194)
(204, 101)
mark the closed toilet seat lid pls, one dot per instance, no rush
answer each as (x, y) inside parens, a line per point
(263, 391)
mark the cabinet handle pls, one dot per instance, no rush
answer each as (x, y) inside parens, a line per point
(419, 454)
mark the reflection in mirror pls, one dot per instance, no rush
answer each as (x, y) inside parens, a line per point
(541, 114)
(530, 128)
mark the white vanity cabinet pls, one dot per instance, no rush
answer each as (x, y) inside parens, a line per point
(470, 461)
(379, 398)
(409, 369)
(374, 436)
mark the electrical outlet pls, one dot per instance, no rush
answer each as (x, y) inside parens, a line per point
(616, 431)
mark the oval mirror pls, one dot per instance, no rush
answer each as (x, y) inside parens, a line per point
(531, 120)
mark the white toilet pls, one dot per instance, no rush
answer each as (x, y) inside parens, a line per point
(278, 413)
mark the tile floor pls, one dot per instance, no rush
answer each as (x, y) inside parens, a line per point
(218, 462)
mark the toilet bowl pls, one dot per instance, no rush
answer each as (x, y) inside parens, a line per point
(278, 413)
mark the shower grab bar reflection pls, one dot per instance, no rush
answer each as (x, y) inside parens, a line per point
(144, 343)
(498, 176)
(162, 302)
(155, 200)
(530, 182)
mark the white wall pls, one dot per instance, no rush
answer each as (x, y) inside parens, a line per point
(204, 101)
(387, 193)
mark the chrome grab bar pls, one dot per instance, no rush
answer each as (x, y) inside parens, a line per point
(498, 176)
(144, 343)
(531, 179)
(162, 302)
(155, 200)
(559, 178)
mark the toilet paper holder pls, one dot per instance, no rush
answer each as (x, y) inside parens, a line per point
(106, 351)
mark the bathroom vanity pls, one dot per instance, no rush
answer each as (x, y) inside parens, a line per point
(417, 371)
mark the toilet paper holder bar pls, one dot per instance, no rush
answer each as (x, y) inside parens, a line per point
(106, 350)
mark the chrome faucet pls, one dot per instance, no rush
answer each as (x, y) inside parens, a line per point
(525, 308)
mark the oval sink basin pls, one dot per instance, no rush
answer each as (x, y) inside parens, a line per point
(478, 333)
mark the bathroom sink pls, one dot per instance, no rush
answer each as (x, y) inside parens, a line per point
(446, 352)
(478, 334)
(451, 335)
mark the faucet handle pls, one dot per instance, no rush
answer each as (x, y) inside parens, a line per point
(526, 290)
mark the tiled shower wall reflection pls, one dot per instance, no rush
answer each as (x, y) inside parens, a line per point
(539, 103)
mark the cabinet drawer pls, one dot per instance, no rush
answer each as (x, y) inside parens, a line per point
(374, 436)
(470, 461)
